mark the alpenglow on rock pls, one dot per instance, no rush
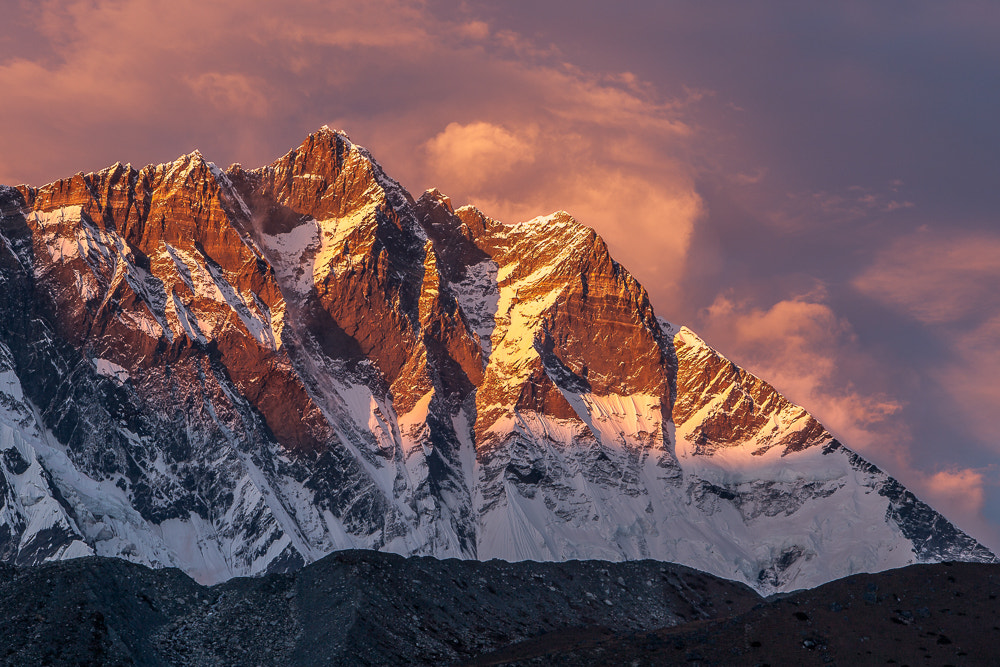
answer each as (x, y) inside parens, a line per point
(236, 372)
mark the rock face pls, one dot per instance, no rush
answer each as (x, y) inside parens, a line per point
(237, 372)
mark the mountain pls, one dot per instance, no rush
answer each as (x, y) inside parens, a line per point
(371, 608)
(237, 372)
(935, 614)
(349, 608)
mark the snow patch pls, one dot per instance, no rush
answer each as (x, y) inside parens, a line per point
(479, 297)
(112, 370)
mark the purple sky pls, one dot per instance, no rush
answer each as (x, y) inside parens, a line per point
(813, 187)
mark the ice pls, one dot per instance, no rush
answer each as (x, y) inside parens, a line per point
(244, 306)
(227, 185)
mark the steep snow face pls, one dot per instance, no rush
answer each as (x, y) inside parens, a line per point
(34, 526)
(236, 372)
(479, 297)
(803, 508)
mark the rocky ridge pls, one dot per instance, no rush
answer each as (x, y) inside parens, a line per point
(371, 608)
(349, 608)
(236, 372)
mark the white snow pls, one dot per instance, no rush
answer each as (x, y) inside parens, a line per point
(188, 321)
(290, 253)
(479, 297)
(112, 370)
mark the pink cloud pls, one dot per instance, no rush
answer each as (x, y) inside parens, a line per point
(478, 30)
(935, 278)
(948, 283)
(971, 377)
(960, 489)
(232, 92)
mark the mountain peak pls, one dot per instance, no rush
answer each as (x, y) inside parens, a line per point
(326, 129)
(276, 363)
(436, 196)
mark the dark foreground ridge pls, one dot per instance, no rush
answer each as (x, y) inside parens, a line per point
(350, 608)
(365, 607)
(941, 614)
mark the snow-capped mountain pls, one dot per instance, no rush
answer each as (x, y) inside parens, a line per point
(236, 372)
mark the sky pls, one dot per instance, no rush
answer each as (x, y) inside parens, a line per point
(812, 187)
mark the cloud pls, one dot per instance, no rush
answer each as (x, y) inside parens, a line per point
(959, 489)
(232, 92)
(800, 211)
(971, 378)
(471, 155)
(947, 282)
(616, 101)
(478, 30)
(936, 277)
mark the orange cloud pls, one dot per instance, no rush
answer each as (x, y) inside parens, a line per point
(470, 156)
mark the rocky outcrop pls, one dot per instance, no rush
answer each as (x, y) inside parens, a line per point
(721, 405)
(238, 371)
